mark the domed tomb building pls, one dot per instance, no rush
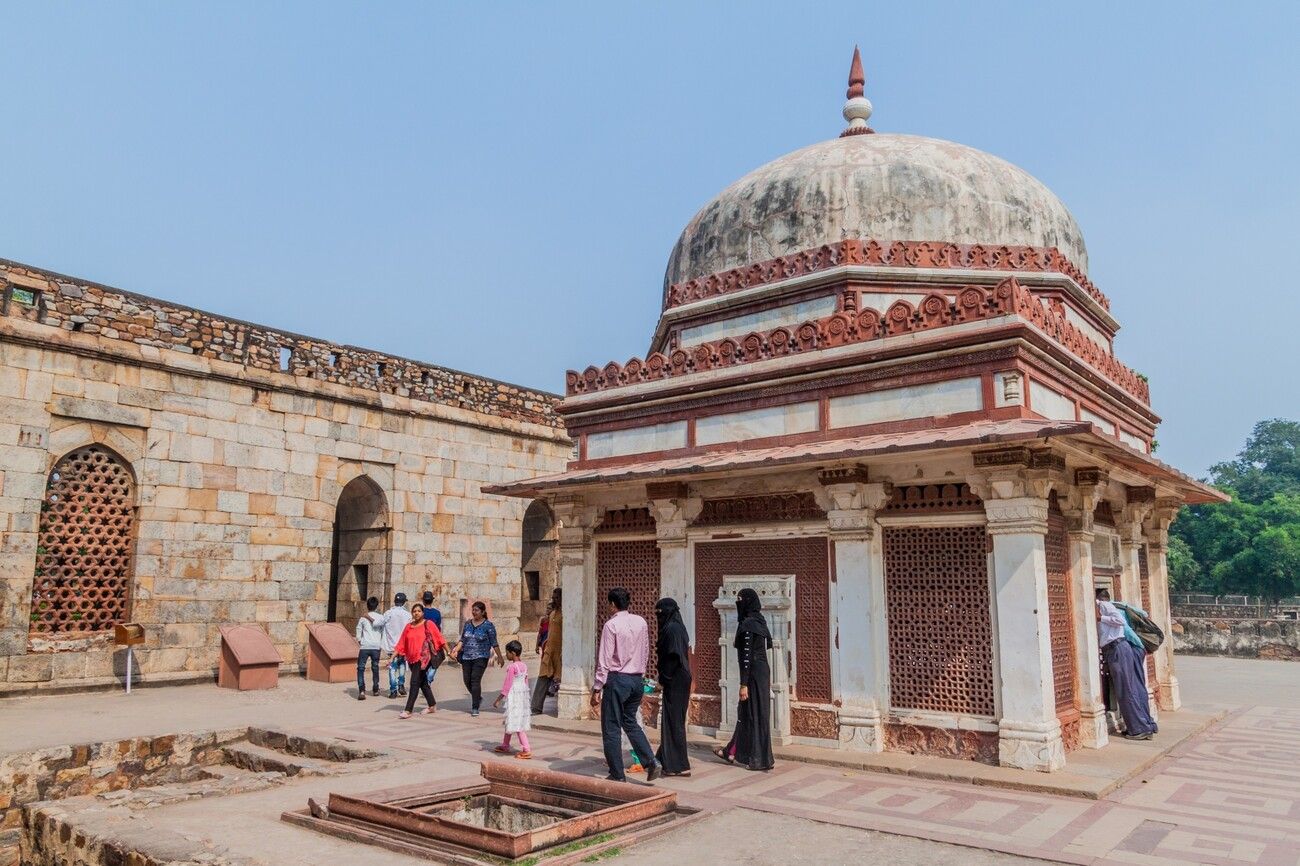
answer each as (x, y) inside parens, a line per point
(884, 393)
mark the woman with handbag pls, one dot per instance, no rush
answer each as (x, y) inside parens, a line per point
(424, 648)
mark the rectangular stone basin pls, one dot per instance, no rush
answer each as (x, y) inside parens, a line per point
(519, 811)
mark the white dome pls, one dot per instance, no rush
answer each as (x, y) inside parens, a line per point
(874, 187)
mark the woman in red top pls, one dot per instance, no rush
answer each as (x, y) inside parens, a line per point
(420, 642)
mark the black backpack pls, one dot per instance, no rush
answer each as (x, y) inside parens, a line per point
(1144, 627)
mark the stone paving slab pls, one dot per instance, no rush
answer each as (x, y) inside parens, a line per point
(1090, 773)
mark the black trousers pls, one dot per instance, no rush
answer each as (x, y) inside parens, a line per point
(471, 670)
(620, 709)
(419, 685)
(539, 693)
(373, 656)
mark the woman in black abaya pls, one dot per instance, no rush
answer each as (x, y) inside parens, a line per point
(751, 744)
(672, 648)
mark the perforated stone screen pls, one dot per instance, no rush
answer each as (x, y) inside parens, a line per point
(808, 559)
(1144, 584)
(940, 634)
(84, 542)
(633, 565)
(1060, 620)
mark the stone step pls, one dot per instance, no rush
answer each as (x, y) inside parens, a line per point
(259, 759)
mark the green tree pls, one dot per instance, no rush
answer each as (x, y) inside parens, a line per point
(1251, 544)
(1269, 464)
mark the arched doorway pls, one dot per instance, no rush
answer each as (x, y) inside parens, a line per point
(537, 572)
(359, 565)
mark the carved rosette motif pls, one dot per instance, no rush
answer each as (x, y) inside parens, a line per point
(773, 508)
(704, 712)
(981, 746)
(814, 722)
(1007, 298)
(910, 254)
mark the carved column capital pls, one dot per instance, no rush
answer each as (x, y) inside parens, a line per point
(851, 507)
(1017, 515)
(673, 516)
(577, 520)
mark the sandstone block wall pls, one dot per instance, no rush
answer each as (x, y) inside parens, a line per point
(239, 468)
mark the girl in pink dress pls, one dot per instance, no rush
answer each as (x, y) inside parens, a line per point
(517, 696)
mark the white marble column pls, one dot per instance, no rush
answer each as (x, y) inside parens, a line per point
(1166, 510)
(676, 574)
(1087, 661)
(577, 575)
(1131, 540)
(1029, 734)
(861, 660)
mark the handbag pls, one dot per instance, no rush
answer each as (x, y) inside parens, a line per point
(431, 659)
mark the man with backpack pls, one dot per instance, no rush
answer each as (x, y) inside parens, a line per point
(1125, 658)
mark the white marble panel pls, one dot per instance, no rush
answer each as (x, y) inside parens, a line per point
(916, 401)
(756, 423)
(765, 320)
(636, 440)
(1050, 403)
(881, 301)
(1106, 425)
(1132, 441)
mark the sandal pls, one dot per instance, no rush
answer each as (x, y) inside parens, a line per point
(525, 756)
(723, 756)
(403, 715)
(502, 750)
(428, 711)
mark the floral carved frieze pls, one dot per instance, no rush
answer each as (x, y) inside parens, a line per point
(908, 254)
(972, 303)
(777, 507)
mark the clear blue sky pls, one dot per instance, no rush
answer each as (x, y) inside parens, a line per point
(495, 187)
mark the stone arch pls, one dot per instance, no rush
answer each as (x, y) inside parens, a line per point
(85, 546)
(537, 568)
(361, 556)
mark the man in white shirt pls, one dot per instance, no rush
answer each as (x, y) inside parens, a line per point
(370, 635)
(396, 619)
(1125, 665)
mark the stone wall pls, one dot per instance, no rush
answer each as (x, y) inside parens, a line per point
(1240, 638)
(238, 469)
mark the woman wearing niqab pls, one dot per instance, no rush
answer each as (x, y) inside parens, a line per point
(672, 648)
(751, 744)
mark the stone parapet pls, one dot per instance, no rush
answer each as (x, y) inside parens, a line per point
(112, 314)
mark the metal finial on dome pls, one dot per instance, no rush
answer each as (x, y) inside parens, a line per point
(858, 108)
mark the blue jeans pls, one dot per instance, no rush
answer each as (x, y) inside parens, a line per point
(620, 708)
(372, 655)
(396, 669)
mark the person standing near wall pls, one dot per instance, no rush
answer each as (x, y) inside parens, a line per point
(478, 642)
(396, 618)
(370, 635)
(548, 671)
(619, 685)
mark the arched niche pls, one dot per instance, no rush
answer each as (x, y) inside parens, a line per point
(361, 559)
(537, 568)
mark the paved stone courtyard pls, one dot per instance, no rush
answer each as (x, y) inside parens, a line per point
(1226, 796)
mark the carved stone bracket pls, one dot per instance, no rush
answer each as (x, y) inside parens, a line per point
(674, 515)
(1080, 506)
(1015, 515)
(577, 521)
(1163, 513)
(851, 507)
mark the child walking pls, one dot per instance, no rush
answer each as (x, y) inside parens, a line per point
(518, 697)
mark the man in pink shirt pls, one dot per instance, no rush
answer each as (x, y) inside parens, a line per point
(620, 669)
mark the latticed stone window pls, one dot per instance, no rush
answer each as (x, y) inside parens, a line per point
(84, 545)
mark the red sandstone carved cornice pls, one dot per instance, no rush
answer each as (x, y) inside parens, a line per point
(935, 311)
(907, 254)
